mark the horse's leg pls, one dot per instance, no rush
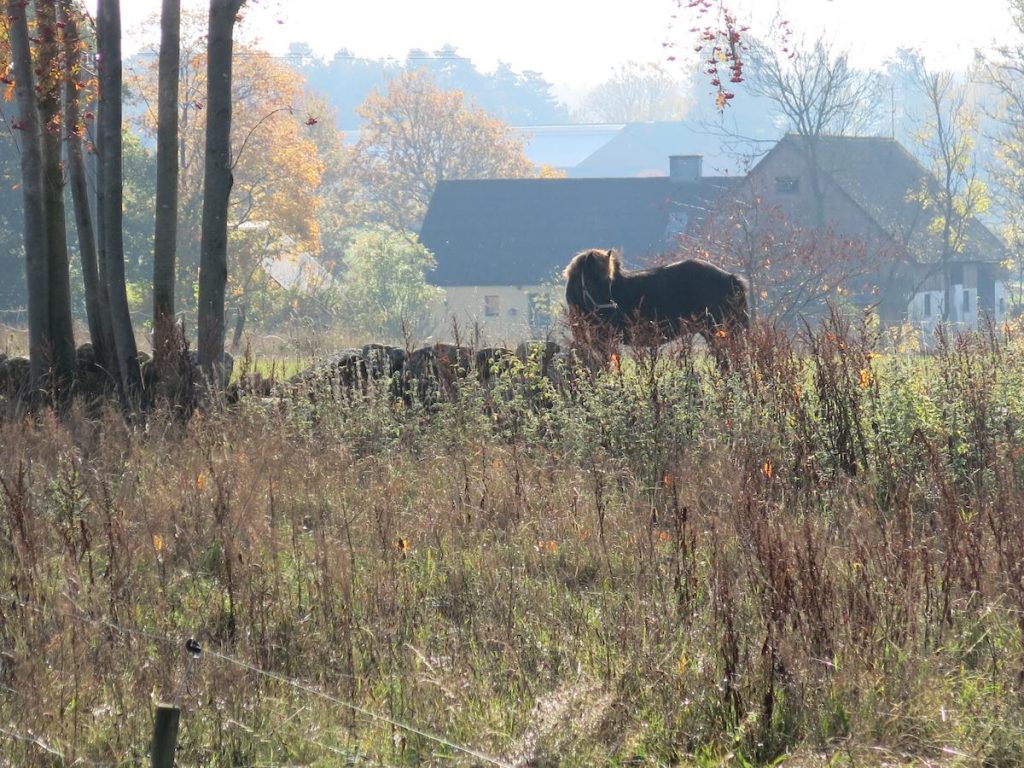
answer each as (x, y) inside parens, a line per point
(597, 345)
(717, 344)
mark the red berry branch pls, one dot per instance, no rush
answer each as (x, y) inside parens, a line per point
(719, 41)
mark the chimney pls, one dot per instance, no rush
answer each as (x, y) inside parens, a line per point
(683, 168)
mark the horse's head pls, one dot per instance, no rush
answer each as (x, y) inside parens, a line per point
(590, 279)
(738, 302)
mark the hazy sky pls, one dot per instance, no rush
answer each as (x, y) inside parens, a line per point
(576, 43)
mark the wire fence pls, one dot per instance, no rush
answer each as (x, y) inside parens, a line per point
(296, 684)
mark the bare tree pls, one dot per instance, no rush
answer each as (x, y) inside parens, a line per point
(110, 175)
(820, 94)
(792, 271)
(166, 228)
(949, 139)
(636, 93)
(32, 195)
(217, 183)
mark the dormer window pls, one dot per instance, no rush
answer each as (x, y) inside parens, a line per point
(787, 184)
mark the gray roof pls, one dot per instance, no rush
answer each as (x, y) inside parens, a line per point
(524, 231)
(640, 149)
(564, 146)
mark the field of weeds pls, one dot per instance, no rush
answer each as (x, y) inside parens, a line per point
(813, 556)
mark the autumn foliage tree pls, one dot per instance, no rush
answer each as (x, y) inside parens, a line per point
(47, 75)
(46, 51)
(416, 135)
(337, 190)
(276, 165)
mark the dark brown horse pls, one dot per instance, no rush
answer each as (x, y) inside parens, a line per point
(661, 303)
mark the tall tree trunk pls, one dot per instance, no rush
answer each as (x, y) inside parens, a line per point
(110, 194)
(166, 229)
(217, 181)
(62, 334)
(32, 193)
(96, 307)
(100, 220)
(95, 167)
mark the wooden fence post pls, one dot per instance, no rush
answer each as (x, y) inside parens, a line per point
(165, 736)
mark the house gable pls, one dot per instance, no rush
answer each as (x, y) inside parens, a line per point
(869, 188)
(782, 179)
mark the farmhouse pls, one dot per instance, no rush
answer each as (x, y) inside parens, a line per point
(871, 189)
(501, 244)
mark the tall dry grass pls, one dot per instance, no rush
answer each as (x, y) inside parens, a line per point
(814, 551)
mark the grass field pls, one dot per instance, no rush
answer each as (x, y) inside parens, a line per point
(814, 557)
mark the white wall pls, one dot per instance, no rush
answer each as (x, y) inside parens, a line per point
(497, 315)
(958, 318)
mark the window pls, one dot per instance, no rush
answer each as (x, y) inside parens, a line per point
(966, 304)
(492, 306)
(787, 184)
(927, 305)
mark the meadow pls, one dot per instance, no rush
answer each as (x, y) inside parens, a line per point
(811, 557)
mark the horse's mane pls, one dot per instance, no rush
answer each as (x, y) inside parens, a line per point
(610, 258)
